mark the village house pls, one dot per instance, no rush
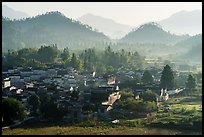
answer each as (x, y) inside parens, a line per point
(6, 82)
(164, 96)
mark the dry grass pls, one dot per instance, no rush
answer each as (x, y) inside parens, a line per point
(89, 131)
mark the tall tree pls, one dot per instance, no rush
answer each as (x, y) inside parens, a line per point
(147, 77)
(74, 62)
(167, 78)
(191, 82)
(65, 54)
(34, 101)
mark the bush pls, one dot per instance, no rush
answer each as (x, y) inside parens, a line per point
(12, 109)
(148, 95)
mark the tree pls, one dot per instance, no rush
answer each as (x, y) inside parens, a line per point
(47, 54)
(75, 95)
(89, 107)
(49, 108)
(65, 54)
(34, 101)
(74, 62)
(191, 83)
(125, 95)
(12, 109)
(147, 77)
(148, 95)
(167, 78)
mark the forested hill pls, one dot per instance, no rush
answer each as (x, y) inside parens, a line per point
(190, 42)
(192, 47)
(152, 33)
(52, 27)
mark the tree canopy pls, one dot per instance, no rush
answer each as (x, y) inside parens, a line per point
(147, 77)
(191, 82)
(12, 109)
(34, 101)
(167, 78)
(148, 95)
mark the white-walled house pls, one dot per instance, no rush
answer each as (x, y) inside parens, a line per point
(6, 83)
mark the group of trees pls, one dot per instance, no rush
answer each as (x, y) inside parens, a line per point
(43, 104)
(168, 81)
(129, 107)
(12, 109)
(88, 60)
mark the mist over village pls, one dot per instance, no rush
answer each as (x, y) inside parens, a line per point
(101, 68)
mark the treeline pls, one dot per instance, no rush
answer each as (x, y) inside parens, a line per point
(88, 60)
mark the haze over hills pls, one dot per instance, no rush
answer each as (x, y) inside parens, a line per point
(108, 26)
(191, 48)
(152, 33)
(13, 14)
(52, 27)
(182, 22)
(150, 39)
(194, 54)
(190, 42)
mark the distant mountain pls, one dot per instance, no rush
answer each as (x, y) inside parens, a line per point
(190, 48)
(13, 14)
(152, 33)
(108, 26)
(190, 42)
(189, 22)
(194, 54)
(49, 28)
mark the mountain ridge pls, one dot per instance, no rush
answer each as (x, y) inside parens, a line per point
(108, 26)
(48, 28)
(13, 14)
(152, 32)
(182, 22)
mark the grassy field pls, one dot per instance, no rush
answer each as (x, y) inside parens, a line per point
(56, 130)
(185, 114)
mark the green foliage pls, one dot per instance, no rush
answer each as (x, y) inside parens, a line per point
(65, 54)
(90, 107)
(45, 98)
(150, 106)
(75, 94)
(147, 77)
(49, 108)
(48, 28)
(125, 95)
(191, 83)
(151, 33)
(12, 109)
(34, 101)
(148, 95)
(47, 54)
(167, 78)
(87, 61)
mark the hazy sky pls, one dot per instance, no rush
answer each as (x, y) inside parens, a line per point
(130, 13)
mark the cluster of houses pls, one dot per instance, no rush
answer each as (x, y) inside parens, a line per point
(21, 82)
(60, 82)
